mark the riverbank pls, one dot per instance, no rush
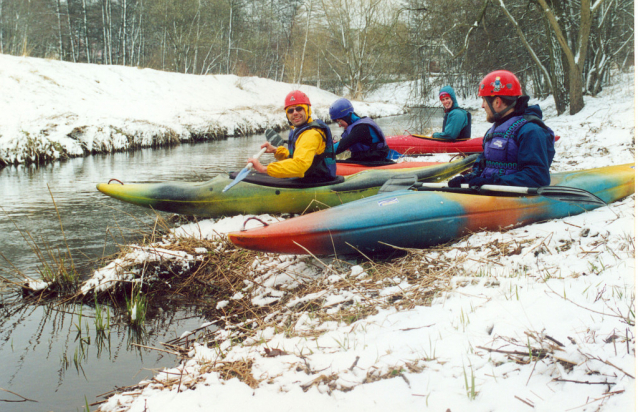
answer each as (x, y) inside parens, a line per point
(52, 110)
(539, 317)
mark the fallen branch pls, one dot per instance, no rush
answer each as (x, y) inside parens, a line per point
(13, 393)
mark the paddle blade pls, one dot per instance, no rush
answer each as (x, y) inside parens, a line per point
(401, 182)
(394, 155)
(240, 176)
(570, 194)
(273, 137)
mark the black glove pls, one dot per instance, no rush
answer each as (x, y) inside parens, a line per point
(456, 181)
(477, 182)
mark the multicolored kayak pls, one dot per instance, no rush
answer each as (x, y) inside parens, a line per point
(417, 144)
(259, 194)
(419, 219)
(347, 168)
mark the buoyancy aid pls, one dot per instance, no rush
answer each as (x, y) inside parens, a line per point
(378, 138)
(324, 165)
(466, 131)
(500, 145)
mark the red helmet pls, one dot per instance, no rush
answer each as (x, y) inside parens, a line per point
(296, 97)
(500, 83)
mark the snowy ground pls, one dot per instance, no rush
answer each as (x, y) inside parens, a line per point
(51, 109)
(536, 318)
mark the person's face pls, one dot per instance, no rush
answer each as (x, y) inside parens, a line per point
(296, 115)
(489, 116)
(341, 123)
(447, 102)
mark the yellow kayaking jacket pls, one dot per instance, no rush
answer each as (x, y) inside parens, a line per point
(310, 143)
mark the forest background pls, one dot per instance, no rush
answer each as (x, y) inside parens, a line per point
(563, 48)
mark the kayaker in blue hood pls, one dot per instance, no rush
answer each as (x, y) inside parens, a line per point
(519, 148)
(457, 123)
(362, 136)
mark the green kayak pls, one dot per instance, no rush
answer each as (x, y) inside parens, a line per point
(261, 194)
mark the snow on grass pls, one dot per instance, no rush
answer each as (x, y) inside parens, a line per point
(539, 317)
(52, 109)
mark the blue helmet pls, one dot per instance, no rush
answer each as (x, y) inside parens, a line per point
(340, 109)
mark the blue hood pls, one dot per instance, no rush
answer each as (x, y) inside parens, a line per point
(534, 110)
(449, 90)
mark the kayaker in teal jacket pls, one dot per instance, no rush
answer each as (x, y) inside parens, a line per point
(519, 148)
(457, 123)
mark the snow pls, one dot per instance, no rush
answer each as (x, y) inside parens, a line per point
(51, 109)
(563, 288)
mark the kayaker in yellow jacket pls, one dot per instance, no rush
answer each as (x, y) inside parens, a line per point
(306, 155)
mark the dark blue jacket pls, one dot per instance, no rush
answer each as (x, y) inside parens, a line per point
(457, 123)
(535, 151)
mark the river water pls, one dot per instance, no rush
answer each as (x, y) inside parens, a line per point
(49, 354)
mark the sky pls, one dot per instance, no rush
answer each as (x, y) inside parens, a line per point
(566, 286)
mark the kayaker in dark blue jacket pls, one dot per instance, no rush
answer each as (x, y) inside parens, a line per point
(362, 136)
(519, 148)
(457, 123)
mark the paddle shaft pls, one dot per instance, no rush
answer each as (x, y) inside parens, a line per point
(492, 188)
(257, 156)
(561, 193)
(272, 137)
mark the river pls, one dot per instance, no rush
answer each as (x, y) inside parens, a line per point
(49, 353)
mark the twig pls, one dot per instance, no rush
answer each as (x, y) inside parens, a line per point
(157, 349)
(582, 307)
(531, 373)
(606, 395)
(606, 362)
(584, 382)
(13, 393)
(555, 341)
(533, 352)
(524, 401)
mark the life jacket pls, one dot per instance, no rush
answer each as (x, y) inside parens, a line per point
(324, 165)
(466, 131)
(378, 138)
(500, 146)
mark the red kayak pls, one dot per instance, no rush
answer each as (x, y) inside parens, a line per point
(413, 144)
(347, 168)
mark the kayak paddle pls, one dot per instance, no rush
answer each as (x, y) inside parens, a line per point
(274, 139)
(394, 155)
(560, 193)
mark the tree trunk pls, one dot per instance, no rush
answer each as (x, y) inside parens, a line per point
(86, 33)
(1, 30)
(230, 37)
(68, 16)
(575, 61)
(57, 5)
(124, 34)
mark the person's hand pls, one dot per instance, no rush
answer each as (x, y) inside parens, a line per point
(269, 148)
(456, 181)
(259, 168)
(477, 182)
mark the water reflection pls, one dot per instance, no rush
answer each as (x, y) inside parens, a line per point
(56, 354)
(50, 353)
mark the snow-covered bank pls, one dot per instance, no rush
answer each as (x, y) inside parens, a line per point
(540, 317)
(51, 109)
(537, 317)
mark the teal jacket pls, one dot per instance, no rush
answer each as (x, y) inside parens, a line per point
(457, 123)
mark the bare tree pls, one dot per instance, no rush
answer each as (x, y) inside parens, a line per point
(357, 34)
